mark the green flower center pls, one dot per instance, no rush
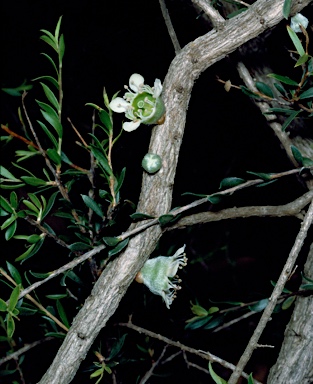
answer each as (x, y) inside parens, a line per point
(145, 103)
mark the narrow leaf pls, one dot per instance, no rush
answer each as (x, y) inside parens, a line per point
(54, 121)
(259, 306)
(102, 160)
(9, 233)
(286, 9)
(118, 248)
(111, 241)
(140, 216)
(49, 134)
(14, 273)
(215, 377)
(261, 175)
(215, 199)
(229, 182)
(7, 174)
(296, 41)
(165, 219)
(79, 246)
(307, 94)
(14, 298)
(302, 60)
(296, 154)
(33, 181)
(50, 96)
(10, 326)
(93, 205)
(288, 302)
(62, 314)
(5, 205)
(105, 119)
(264, 88)
(283, 79)
(54, 156)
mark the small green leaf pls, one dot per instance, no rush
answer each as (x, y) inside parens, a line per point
(279, 110)
(49, 204)
(52, 62)
(198, 322)
(8, 175)
(14, 273)
(14, 298)
(117, 347)
(296, 154)
(296, 41)
(165, 219)
(97, 373)
(111, 241)
(57, 29)
(215, 322)
(50, 96)
(10, 326)
(5, 205)
(286, 8)
(105, 119)
(62, 314)
(8, 222)
(140, 216)
(79, 246)
(3, 306)
(215, 199)
(288, 302)
(292, 116)
(283, 79)
(31, 206)
(229, 182)
(49, 78)
(250, 379)
(40, 275)
(13, 199)
(280, 89)
(306, 94)
(93, 205)
(61, 47)
(103, 161)
(193, 194)
(249, 93)
(120, 180)
(9, 233)
(54, 121)
(118, 248)
(34, 181)
(58, 335)
(57, 296)
(54, 156)
(32, 239)
(302, 60)
(31, 251)
(264, 88)
(49, 134)
(215, 377)
(259, 306)
(198, 310)
(261, 175)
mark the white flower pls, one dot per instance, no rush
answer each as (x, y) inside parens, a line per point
(141, 104)
(159, 275)
(296, 20)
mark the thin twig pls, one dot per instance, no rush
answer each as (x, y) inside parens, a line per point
(24, 349)
(234, 321)
(205, 355)
(288, 267)
(149, 373)
(169, 26)
(218, 21)
(291, 209)
(63, 269)
(13, 134)
(35, 302)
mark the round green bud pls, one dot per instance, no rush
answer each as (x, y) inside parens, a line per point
(151, 163)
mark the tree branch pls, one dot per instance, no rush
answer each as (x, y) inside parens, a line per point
(288, 267)
(156, 192)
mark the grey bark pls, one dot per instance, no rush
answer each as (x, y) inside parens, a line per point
(295, 361)
(156, 192)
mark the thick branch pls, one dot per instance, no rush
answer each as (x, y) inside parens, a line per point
(156, 193)
(284, 276)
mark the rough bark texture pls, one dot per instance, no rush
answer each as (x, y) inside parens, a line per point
(156, 193)
(295, 361)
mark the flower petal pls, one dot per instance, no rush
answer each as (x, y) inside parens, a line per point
(131, 125)
(157, 88)
(119, 105)
(136, 81)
